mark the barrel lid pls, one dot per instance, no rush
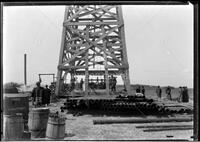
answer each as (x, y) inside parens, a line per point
(40, 109)
(14, 95)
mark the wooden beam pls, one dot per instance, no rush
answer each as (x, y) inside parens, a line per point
(95, 43)
(108, 44)
(105, 64)
(97, 62)
(117, 66)
(149, 120)
(74, 56)
(93, 19)
(111, 14)
(98, 72)
(72, 39)
(124, 51)
(86, 64)
(167, 129)
(90, 12)
(70, 67)
(161, 126)
(59, 73)
(72, 51)
(76, 14)
(89, 23)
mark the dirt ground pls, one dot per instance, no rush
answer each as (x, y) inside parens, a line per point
(81, 127)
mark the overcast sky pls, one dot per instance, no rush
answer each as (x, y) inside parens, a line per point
(159, 42)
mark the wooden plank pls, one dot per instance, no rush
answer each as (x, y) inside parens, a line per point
(161, 126)
(74, 56)
(105, 9)
(108, 44)
(149, 120)
(93, 19)
(88, 12)
(167, 129)
(97, 62)
(72, 39)
(89, 23)
(76, 14)
(95, 44)
(117, 66)
(105, 64)
(111, 14)
(124, 51)
(98, 72)
(59, 73)
(71, 67)
(72, 51)
(86, 64)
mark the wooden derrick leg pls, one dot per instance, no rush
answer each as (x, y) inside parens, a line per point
(124, 53)
(123, 78)
(86, 64)
(105, 64)
(59, 73)
(86, 81)
(58, 83)
(107, 82)
(127, 80)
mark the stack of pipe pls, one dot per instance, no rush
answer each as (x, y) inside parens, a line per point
(126, 105)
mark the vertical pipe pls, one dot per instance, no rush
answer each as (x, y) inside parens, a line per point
(25, 69)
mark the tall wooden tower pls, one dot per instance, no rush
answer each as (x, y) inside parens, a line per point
(93, 44)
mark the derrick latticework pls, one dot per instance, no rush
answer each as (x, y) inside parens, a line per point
(93, 43)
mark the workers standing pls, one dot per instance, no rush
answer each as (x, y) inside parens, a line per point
(143, 90)
(47, 95)
(110, 83)
(114, 83)
(185, 96)
(81, 84)
(180, 94)
(72, 83)
(138, 89)
(168, 92)
(37, 95)
(159, 92)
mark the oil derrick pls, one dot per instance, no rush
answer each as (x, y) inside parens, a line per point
(93, 44)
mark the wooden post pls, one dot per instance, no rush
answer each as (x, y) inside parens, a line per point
(86, 76)
(59, 73)
(124, 54)
(105, 64)
(86, 64)
(25, 83)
